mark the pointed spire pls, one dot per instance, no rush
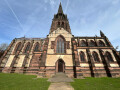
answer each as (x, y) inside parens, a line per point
(102, 34)
(60, 8)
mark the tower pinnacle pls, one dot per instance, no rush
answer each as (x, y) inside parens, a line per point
(60, 21)
(60, 8)
(102, 34)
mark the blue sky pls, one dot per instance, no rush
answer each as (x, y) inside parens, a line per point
(86, 18)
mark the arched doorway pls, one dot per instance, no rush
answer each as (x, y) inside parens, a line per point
(60, 66)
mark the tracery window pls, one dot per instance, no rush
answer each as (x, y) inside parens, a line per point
(95, 56)
(27, 47)
(63, 24)
(92, 43)
(82, 56)
(101, 43)
(109, 57)
(83, 43)
(36, 47)
(18, 47)
(60, 48)
(58, 24)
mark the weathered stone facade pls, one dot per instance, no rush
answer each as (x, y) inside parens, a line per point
(61, 51)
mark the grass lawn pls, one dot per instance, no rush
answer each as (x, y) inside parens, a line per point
(97, 84)
(22, 82)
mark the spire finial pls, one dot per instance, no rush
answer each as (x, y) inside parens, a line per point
(60, 8)
(102, 34)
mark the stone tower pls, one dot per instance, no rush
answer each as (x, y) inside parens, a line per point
(60, 21)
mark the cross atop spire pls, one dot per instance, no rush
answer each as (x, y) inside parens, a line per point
(60, 8)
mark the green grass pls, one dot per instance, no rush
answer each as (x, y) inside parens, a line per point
(97, 84)
(22, 82)
(30, 82)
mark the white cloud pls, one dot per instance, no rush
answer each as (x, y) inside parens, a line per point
(51, 2)
(67, 6)
(31, 20)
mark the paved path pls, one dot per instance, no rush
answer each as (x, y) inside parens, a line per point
(60, 86)
(60, 82)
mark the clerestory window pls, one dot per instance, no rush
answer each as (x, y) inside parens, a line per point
(27, 47)
(101, 43)
(83, 43)
(18, 47)
(36, 47)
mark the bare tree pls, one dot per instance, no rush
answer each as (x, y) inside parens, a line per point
(3, 46)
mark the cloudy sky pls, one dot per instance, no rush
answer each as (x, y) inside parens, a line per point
(32, 18)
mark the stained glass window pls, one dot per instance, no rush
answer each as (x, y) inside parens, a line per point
(60, 45)
(101, 43)
(109, 57)
(18, 47)
(92, 43)
(82, 56)
(27, 47)
(95, 56)
(36, 47)
(83, 43)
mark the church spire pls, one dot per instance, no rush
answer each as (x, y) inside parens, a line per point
(60, 21)
(60, 9)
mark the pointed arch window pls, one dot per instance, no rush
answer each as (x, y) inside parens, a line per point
(109, 57)
(82, 57)
(101, 43)
(92, 43)
(18, 47)
(63, 24)
(83, 43)
(36, 47)
(27, 47)
(58, 24)
(60, 45)
(95, 56)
